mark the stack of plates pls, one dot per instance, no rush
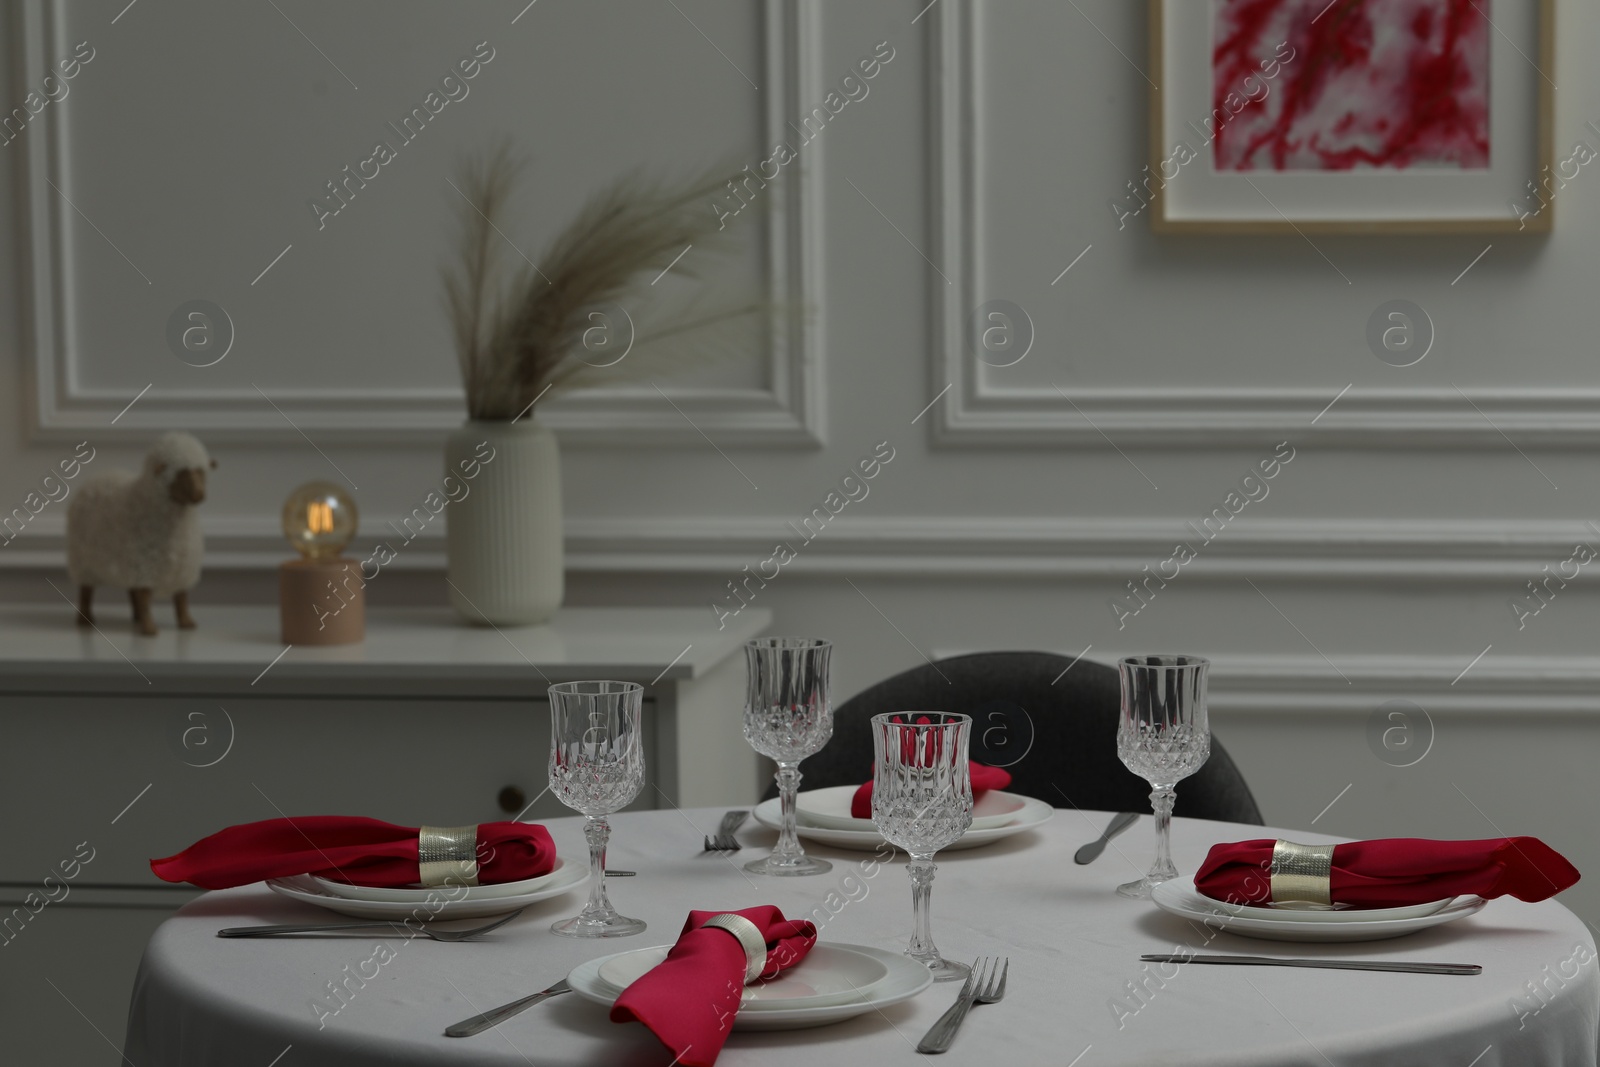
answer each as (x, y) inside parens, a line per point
(1180, 897)
(424, 903)
(834, 982)
(823, 816)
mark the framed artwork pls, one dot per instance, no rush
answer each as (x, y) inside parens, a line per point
(1353, 116)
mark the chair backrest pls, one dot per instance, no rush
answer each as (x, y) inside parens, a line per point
(1053, 728)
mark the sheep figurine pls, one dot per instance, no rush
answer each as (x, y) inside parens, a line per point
(140, 532)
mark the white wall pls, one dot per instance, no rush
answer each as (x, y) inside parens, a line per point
(1381, 562)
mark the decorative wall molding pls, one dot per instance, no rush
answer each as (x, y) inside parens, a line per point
(1501, 687)
(1334, 551)
(791, 412)
(976, 412)
(1428, 553)
(1289, 684)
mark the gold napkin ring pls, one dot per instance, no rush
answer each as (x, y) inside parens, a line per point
(447, 855)
(755, 946)
(1301, 873)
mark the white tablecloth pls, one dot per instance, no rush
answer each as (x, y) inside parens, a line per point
(1077, 995)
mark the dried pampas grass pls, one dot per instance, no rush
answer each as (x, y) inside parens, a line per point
(517, 338)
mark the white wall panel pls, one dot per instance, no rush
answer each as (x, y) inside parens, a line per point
(245, 186)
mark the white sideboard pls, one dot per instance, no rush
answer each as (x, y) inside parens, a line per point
(121, 748)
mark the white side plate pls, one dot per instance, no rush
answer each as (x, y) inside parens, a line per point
(1179, 897)
(1327, 915)
(830, 809)
(420, 894)
(828, 975)
(446, 902)
(1033, 813)
(903, 979)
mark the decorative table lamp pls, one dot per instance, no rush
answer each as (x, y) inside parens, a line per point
(320, 595)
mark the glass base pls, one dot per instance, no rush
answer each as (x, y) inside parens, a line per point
(1139, 889)
(789, 865)
(612, 925)
(945, 970)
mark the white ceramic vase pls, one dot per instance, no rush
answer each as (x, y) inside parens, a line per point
(504, 536)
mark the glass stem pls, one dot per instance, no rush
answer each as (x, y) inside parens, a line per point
(788, 785)
(598, 832)
(921, 869)
(1162, 798)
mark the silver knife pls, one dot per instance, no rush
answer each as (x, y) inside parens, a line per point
(308, 928)
(495, 1016)
(1090, 852)
(1333, 965)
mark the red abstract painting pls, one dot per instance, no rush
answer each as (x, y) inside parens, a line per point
(1350, 84)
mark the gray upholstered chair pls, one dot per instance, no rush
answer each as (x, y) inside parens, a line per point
(1056, 734)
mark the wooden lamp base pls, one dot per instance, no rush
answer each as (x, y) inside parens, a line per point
(321, 602)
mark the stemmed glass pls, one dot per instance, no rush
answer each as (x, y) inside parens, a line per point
(787, 717)
(1163, 737)
(596, 767)
(921, 802)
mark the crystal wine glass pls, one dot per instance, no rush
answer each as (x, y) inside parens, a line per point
(1163, 737)
(596, 767)
(787, 717)
(921, 802)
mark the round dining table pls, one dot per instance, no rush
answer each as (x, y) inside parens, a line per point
(1077, 994)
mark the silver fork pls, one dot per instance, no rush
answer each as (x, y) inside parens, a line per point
(981, 988)
(723, 840)
(317, 928)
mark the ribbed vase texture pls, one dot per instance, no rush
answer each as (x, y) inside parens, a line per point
(504, 536)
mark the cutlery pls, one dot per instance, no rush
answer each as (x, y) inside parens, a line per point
(1336, 965)
(317, 928)
(981, 988)
(495, 1016)
(723, 840)
(1090, 852)
(620, 874)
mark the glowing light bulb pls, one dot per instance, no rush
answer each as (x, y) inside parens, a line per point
(319, 519)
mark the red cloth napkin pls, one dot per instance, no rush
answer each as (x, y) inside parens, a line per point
(1395, 872)
(984, 778)
(346, 849)
(689, 1000)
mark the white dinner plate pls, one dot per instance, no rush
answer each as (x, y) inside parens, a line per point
(447, 903)
(421, 894)
(830, 975)
(1179, 897)
(1033, 813)
(903, 979)
(1293, 914)
(830, 809)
